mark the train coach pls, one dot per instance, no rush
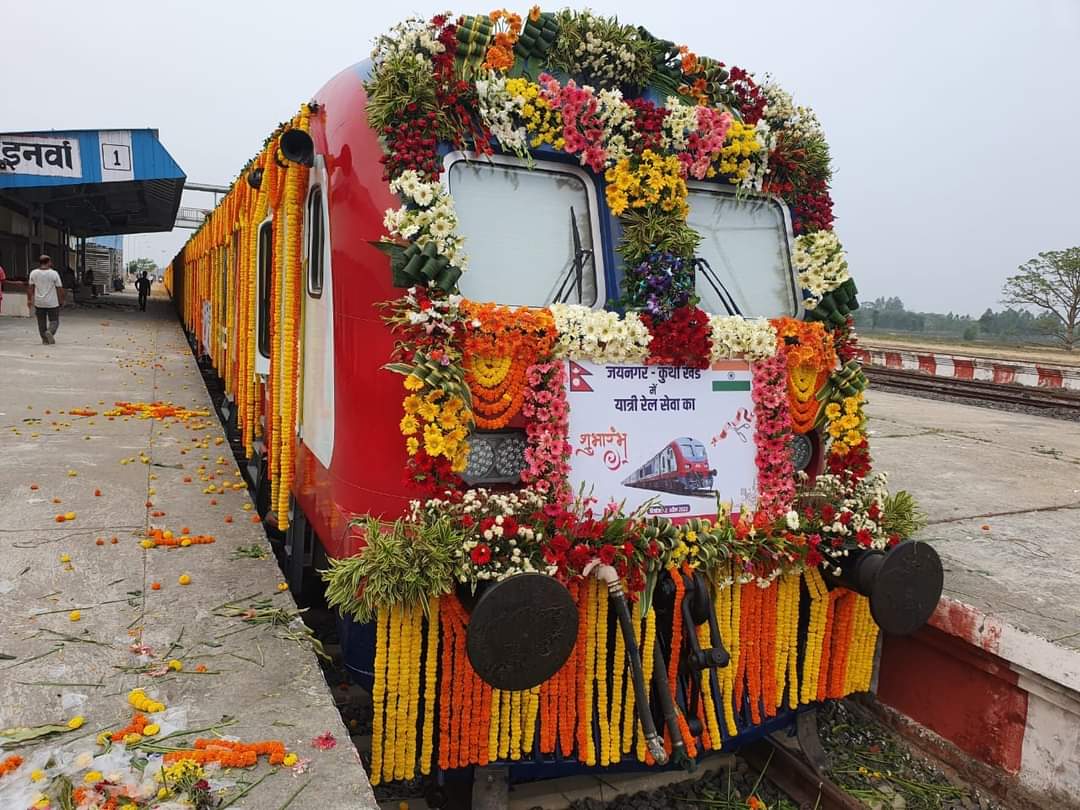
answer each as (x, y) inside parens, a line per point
(448, 301)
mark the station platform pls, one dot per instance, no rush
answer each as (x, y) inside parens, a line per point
(236, 674)
(995, 677)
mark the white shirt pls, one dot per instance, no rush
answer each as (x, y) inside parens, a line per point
(45, 283)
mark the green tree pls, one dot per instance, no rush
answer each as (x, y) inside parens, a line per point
(136, 266)
(1051, 282)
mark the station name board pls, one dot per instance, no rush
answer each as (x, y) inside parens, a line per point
(35, 154)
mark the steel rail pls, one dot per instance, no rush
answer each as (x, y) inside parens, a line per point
(1009, 393)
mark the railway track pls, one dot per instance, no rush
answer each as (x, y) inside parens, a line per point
(916, 382)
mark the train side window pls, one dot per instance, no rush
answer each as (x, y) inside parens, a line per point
(530, 232)
(315, 242)
(266, 262)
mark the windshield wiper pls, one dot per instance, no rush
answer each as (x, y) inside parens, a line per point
(573, 278)
(726, 298)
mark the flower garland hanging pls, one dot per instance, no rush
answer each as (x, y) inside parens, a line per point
(499, 345)
(776, 472)
(810, 358)
(547, 456)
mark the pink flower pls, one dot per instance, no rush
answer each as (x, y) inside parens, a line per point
(324, 742)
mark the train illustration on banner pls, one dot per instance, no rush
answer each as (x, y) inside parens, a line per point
(681, 468)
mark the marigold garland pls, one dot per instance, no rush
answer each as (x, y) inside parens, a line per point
(647, 664)
(378, 694)
(431, 657)
(810, 356)
(499, 346)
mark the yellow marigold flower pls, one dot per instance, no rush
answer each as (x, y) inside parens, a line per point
(851, 404)
(411, 403)
(132, 738)
(839, 448)
(92, 777)
(146, 543)
(853, 438)
(65, 558)
(75, 615)
(76, 722)
(176, 665)
(162, 793)
(832, 410)
(412, 445)
(290, 760)
(413, 383)
(283, 586)
(151, 729)
(835, 430)
(185, 579)
(408, 425)
(428, 411)
(37, 776)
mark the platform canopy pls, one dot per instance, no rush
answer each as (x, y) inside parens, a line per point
(93, 181)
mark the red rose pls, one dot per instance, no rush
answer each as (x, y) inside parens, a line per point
(481, 554)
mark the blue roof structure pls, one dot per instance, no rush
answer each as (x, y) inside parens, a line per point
(94, 181)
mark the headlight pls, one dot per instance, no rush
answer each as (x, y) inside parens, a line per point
(497, 457)
(802, 451)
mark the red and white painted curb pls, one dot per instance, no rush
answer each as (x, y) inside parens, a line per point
(1004, 696)
(973, 368)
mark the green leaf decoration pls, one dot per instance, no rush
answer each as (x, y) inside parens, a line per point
(14, 737)
(411, 266)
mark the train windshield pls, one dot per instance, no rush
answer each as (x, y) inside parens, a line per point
(692, 450)
(747, 262)
(531, 234)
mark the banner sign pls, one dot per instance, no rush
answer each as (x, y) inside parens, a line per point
(682, 438)
(34, 154)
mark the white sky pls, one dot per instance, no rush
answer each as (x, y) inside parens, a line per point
(954, 126)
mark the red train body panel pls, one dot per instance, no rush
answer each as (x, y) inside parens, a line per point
(366, 442)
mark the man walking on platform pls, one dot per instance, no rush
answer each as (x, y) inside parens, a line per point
(45, 293)
(142, 284)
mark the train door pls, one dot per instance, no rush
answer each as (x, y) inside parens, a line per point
(316, 422)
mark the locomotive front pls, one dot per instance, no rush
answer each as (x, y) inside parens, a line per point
(644, 521)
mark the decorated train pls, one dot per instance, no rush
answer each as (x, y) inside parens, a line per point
(682, 467)
(450, 299)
